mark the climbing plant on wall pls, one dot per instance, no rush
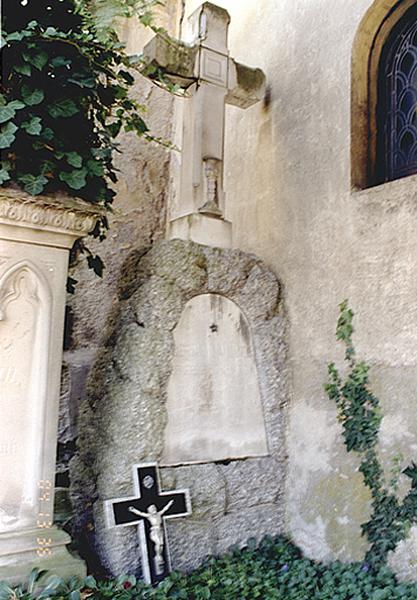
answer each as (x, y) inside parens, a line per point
(359, 412)
(65, 96)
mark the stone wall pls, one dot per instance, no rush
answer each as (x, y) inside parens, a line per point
(123, 420)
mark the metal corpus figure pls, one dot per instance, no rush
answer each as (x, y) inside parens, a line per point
(148, 509)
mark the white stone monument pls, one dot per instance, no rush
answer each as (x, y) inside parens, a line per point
(214, 405)
(212, 80)
(36, 234)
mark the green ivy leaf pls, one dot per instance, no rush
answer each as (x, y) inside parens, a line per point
(16, 105)
(47, 168)
(60, 61)
(83, 82)
(95, 168)
(4, 175)
(136, 123)
(127, 77)
(33, 184)
(7, 135)
(32, 97)
(74, 159)
(71, 283)
(37, 59)
(95, 263)
(114, 128)
(90, 581)
(23, 69)
(16, 36)
(48, 134)
(8, 111)
(75, 179)
(63, 108)
(33, 127)
(146, 19)
(102, 153)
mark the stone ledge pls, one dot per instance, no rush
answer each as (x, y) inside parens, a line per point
(59, 214)
(201, 229)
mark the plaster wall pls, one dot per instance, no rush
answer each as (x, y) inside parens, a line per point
(289, 196)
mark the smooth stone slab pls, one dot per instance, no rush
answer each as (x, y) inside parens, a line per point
(214, 405)
(24, 353)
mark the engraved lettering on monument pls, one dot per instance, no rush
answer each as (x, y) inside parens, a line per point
(214, 405)
(20, 343)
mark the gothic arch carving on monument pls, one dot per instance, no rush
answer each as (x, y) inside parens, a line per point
(25, 317)
(369, 42)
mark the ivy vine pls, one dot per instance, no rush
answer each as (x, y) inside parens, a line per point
(359, 412)
(65, 97)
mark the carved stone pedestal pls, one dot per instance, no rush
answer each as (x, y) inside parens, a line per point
(36, 234)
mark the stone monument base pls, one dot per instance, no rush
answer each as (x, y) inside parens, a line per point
(21, 551)
(202, 229)
(173, 300)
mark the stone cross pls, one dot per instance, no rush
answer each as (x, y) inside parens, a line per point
(212, 80)
(148, 509)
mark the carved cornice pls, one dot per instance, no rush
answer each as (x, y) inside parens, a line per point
(61, 214)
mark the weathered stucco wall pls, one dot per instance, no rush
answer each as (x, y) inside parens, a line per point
(289, 196)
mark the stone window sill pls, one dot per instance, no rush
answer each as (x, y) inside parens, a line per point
(398, 191)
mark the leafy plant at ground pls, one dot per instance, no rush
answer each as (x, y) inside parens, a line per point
(276, 570)
(65, 95)
(360, 414)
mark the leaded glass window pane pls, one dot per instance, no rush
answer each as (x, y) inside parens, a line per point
(397, 100)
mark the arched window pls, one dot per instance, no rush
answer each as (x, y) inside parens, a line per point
(397, 102)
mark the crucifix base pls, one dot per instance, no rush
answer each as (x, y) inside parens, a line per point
(21, 551)
(202, 229)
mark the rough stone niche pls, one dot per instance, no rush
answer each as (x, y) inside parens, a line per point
(124, 418)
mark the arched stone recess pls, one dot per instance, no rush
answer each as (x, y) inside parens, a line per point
(370, 38)
(25, 317)
(134, 397)
(214, 405)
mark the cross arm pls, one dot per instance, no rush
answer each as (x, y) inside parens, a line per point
(246, 85)
(176, 59)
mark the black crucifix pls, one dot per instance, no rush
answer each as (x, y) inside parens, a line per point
(148, 509)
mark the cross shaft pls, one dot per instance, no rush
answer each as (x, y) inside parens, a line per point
(148, 509)
(212, 80)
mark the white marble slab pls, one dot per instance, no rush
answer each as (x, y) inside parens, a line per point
(214, 405)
